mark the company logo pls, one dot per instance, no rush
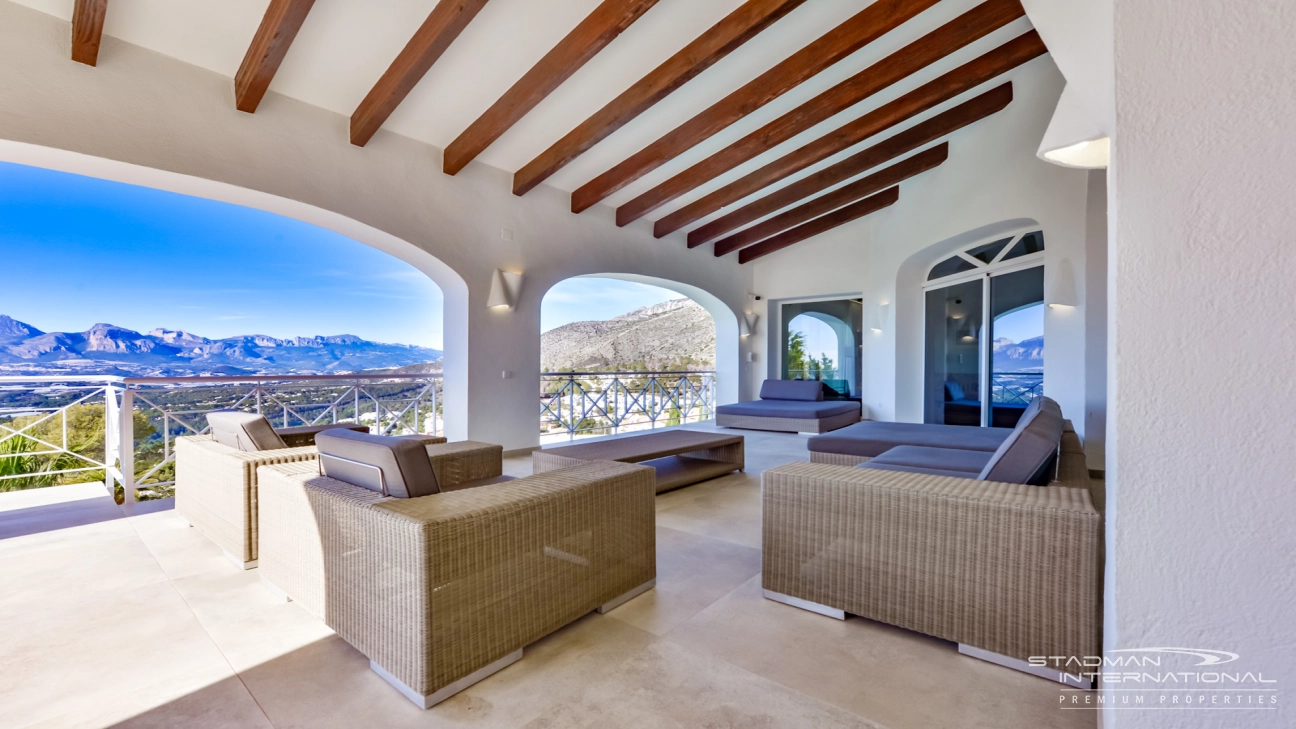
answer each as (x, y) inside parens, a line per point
(1170, 678)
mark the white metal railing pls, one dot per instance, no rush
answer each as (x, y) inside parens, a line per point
(576, 404)
(139, 418)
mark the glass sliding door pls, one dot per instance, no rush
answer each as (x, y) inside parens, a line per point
(953, 352)
(1017, 343)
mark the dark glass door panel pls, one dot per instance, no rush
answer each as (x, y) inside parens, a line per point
(953, 360)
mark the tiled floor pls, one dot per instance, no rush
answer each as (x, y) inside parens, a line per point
(138, 621)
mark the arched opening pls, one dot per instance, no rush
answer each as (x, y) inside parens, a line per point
(822, 342)
(621, 353)
(453, 288)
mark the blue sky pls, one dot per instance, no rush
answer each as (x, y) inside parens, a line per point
(597, 299)
(79, 250)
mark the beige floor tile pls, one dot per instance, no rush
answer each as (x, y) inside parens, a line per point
(901, 679)
(250, 624)
(730, 510)
(330, 684)
(668, 685)
(693, 571)
(182, 550)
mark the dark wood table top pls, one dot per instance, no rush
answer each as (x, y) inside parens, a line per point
(646, 446)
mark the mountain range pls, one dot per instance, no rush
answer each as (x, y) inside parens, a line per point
(675, 334)
(1024, 356)
(114, 350)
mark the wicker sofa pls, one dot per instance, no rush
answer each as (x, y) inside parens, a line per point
(1008, 571)
(796, 406)
(439, 591)
(216, 476)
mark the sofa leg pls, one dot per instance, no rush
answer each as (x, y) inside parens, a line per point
(240, 563)
(427, 701)
(627, 596)
(813, 607)
(1017, 664)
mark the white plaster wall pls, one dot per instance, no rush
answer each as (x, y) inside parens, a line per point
(1200, 456)
(158, 115)
(991, 181)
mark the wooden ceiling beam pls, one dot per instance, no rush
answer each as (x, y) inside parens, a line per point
(269, 47)
(443, 25)
(861, 29)
(714, 44)
(962, 79)
(958, 33)
(823, 224)
(87, 30)
(858, 190)
(590, 36)
(890, 148)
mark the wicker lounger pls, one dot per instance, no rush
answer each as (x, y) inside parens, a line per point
(440, 591)
(680, 457)
(1008, 571)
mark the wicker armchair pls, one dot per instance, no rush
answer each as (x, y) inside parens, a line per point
(1008, 571)
(292, 554)
(440, 591)
(216, 490)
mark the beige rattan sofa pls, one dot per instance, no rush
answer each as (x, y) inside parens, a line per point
(216, 482)
(1007, 571)
(441, 591)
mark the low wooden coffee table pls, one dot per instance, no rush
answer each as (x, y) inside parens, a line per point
(681, 457)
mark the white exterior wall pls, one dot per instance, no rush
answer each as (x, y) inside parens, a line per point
(1200, 458)
(146, 118)
(992, 181)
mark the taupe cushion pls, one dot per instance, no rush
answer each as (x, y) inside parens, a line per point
(244, 431)
(398, 467)
(1026, 453)
(809, 390)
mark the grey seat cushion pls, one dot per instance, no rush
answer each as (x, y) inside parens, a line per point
(970, 463)
(244, 431)
(804, 390)
(398, 467)
(789, 409)
(871, 439)
(915, 469)
(1025, 455)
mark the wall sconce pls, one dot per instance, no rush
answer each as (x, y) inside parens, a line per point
(747, 324)
(1073, 138)
(504, 290)
(1062, 293)
(878, 318)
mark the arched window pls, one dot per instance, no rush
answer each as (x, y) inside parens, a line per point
(984, 338)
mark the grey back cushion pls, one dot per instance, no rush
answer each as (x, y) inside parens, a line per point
(792, 390)
(1030, 447)
(953, 391)
(401, 465)
(244, 431)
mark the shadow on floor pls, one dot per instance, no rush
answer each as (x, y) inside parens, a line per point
(62, 515)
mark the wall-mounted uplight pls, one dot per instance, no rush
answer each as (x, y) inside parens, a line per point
(504, 290)
(1073, 138)
(747, 324)
(1062, 292)
(878, 318)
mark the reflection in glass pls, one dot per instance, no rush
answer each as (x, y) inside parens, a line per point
(953, 362)
(821, 341)
(1017, 344)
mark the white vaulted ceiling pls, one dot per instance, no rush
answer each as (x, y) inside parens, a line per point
(344, 46)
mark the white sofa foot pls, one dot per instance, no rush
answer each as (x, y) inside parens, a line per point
(627, 596)
(813, 607)
(427, 701)
(240, 563)
(1017, 664)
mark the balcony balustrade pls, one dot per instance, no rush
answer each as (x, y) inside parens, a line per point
(586, 404)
